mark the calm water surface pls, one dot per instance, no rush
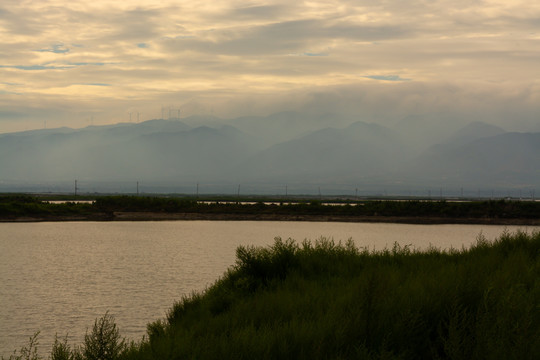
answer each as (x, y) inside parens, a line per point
(59, 277)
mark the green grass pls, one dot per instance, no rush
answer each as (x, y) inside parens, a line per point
(23, 205)
(13, 206)
(327, 300)
(332, 301)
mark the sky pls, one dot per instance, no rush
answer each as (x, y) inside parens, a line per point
(78, 63)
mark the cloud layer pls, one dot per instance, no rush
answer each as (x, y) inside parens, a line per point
(75, 62)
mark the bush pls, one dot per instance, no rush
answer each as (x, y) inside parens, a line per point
(261, 265)
(27, 352)
(61, 350)
(104, 342)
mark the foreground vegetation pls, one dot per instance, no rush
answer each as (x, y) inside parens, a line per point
(106, 207)
(327, 300)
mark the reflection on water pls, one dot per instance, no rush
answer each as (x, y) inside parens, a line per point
(59, 277)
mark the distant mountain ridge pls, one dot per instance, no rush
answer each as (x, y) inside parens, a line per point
(473, 131)
(361, 149)
(508, 159)
(252, 149)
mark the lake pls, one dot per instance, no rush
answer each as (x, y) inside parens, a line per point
(58, 277)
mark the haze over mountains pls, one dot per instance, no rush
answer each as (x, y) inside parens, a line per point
(266, 154)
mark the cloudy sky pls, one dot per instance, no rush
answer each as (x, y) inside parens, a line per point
(75, 63)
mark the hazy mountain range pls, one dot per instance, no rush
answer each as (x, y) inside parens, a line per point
(293, 149)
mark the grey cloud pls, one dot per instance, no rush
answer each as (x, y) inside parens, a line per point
(386, 77)
(184, 37)
(22, 21)
(35, 67)
(11, 114)
(57, 49)
(423, 41)
(137, 25)
(494, 104)
(96, 84)
(362, 32)
(119, 77)
(324, 29)
(89, 64)
(314, 54)
(51, 67)
(288, 37)
(257, 12)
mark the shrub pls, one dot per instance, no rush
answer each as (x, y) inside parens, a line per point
(104, 342)
(61, 350)
(27, 352)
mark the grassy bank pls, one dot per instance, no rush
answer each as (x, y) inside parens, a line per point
(324, 300)
(21, 206)
(28, 208)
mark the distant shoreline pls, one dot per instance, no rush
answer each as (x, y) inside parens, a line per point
(184, 216)
(131, 208)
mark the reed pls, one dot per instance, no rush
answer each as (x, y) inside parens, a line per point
(333, 300)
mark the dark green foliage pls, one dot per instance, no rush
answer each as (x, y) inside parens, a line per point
(438, 209)
(61, 350)
(327, 300)
(104, 342)
(256, 266)
(22, 205)
(143, 203)
(23, 199)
